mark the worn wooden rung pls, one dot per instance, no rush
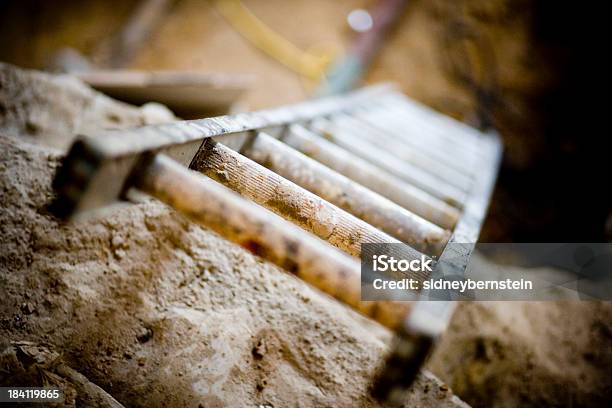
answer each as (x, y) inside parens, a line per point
(425, 125)
(288, 200)
(443, 169)
(421, 139)
(346, 194)
(209, 204)
(376, 179)
(377, 155)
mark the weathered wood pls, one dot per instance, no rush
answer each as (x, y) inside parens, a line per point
(441, 169)
(186, 93)
(430, 318)
(372, 177)
(209, 204)
(379, 156)
(100, 170)
(420, 137)
(287, 199)
(110, 155)
(346, 194)
(437, 134)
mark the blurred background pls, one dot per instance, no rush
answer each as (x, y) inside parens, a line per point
(521, 67)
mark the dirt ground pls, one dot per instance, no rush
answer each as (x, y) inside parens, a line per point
(537, 354)
(155, 310)
(159, 312)
(139, 301)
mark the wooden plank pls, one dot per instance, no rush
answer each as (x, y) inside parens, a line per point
(189, 94)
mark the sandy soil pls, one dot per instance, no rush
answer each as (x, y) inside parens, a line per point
(155, 310)
(138, 301)
(159, 312)
(536, 354)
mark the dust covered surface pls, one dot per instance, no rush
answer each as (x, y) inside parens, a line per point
(52, 109)
(153, 309)
(537, 354)
(159, 312)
